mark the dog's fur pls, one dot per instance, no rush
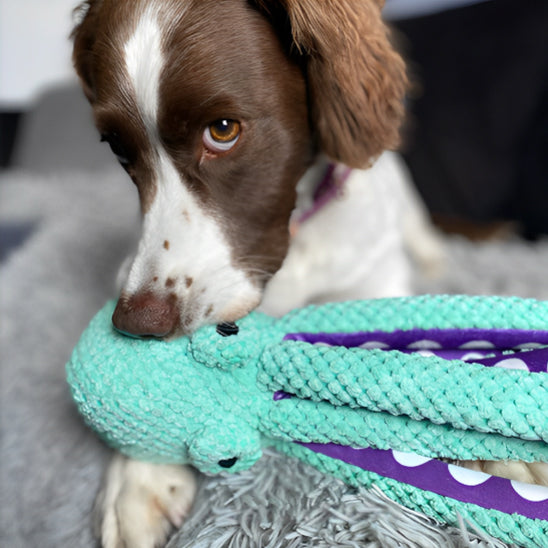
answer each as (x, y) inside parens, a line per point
(299, 82)
(159, 73)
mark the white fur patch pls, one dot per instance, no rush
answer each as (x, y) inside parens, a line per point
(79, 14)
(144, 63)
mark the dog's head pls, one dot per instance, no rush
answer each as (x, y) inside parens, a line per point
(215, 108)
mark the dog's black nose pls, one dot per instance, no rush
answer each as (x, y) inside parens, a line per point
(146, 315)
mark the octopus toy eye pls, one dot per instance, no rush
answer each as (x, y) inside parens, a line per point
(228, 463)
(227, 329)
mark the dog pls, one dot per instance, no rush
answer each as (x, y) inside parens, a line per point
(256, 133)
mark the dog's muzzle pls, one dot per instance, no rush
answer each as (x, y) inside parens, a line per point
(146, 315)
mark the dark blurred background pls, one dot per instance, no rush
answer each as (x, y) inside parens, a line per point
(477, 141)
(477, 138)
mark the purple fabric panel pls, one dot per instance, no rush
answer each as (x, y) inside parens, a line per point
(446, 338)
(463, 355)
(451, 344)
(535, 360)
(494, 493)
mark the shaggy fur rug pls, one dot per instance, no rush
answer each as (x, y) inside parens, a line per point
(64, 237)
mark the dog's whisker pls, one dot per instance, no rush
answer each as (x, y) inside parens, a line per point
(258, 258)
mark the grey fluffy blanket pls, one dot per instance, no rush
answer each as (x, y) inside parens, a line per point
(72, 231)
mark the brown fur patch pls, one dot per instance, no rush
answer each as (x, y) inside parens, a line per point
(357, 81)
(307, 76)
(251, 190)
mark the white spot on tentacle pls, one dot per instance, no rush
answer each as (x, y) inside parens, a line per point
(411, 460)
(466, 476)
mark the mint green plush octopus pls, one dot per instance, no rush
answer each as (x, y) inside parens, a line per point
(374, 392)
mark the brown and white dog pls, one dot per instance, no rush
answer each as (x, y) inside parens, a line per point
(227, 114)
(216, 108)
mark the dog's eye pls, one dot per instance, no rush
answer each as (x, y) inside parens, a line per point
(118, 149)
(222, 135)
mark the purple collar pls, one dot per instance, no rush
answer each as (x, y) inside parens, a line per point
(328, 188)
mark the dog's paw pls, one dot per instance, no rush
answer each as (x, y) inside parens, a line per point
(140, 503)
(532, 472)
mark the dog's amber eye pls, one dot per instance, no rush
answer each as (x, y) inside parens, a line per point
(224, 131)
(222, 135)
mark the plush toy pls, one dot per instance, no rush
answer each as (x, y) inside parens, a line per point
(375, 392)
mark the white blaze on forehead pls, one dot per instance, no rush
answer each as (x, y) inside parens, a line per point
(144, 64)
(144, 55)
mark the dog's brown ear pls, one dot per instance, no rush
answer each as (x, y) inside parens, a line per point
(356, 80)
(83, 36)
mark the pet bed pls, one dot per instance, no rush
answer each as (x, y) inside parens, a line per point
(76, 228)
(68, 232)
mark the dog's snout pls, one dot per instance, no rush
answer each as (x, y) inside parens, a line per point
(146, 315)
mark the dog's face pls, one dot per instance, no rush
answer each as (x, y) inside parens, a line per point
(215, 110)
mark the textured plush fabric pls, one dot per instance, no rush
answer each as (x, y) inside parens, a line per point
(51, 285)
(209, 399)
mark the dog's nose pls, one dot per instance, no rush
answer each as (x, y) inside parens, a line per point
(146, 315)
